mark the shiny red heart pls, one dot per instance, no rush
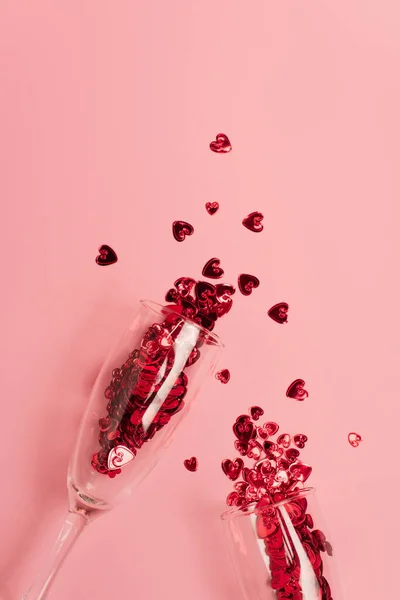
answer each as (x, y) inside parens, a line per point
(256, 412)
(241, 447)
(268, 429)
(106, 256)
(255, 450)
(184, 286)
(244, 431)
(284, 440)
(212, 207)
(292, 454)
(221, 145)
(223, 376)
(212, 269)
(300, 471)
(253, 222)
(296, 391)
(300, 440)
(354, 439)
(232, 469)
(191, 464)
(247, 282)
(204, 291)
(279, 312)
(181, 229)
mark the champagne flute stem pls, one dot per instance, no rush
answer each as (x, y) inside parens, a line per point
(70, 531)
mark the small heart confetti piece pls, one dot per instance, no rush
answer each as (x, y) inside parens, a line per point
(284, 440)
(354, 439)
(296, 390)
(232, 469)
(106, 256)
(256, 412)
(247, 282)
(253, 222)
(212, 270)
(191, 464)
(119, 457)
(300, 440)
(221, 145)
(223, 376)
(181, 229)
(212, 207)
(279, 312)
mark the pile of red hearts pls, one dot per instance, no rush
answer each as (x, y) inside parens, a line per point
(277, 475)
(135, 384)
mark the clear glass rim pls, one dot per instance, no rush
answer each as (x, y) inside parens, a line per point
(251, 508)
(160, 310)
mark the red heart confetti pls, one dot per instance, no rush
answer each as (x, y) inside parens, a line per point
(232, 469)
(279, 312)
(354, 439)
(256, 412)
(181, 229)
(300, 440)
(106, 256)
(247, 282)
(212, 269)
(223, 376)
(284, 440)
(296, 390)
(253, 222)
(221, 145)
(191, 464)
(212, 207)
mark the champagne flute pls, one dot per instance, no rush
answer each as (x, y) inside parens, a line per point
(141, 394)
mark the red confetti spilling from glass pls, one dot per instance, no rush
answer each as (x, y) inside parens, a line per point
(247, 282)
(256, 412)
(253, 222)
(296, 390)
(191, 464)
(122, 432)
(212, 270)
(354, 439)
(279, 312)
(223, 376)
(277, 474)
(181, 229)
(212, 207)
(221, 145)
(106, 256)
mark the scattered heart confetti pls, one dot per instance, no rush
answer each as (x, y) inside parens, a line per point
(106, 256)
(300, 440)
(256, 412)
(212, 207)
(296, 390)
(247, 282)
(181, 229)
(212, 269)
(119, 457)
(284, 440)
(191, 464)
(253, 222)
(354, 439)
(221, 145)
(232, 469)
(279, 312)
(223, 376)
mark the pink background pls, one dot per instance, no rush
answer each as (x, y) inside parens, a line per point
(107, 110)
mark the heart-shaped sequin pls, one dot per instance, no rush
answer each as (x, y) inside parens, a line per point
(279, 312)
(119, 457)
(212, 207)
(266, 527)
(232, 469)
(256, 412)
(247, 282)
(184, 286)
(106, 256)
(354, 439)
(181, 229)
(241, 447)
(296, 390)
(292, 454)
(223, 376)
(244, 431)
(284, 440)
(212, 269)
(253, 222)
(221, 145)
(268, 429)
(204, 291)
(191, 464)
(254, 450)
(300, 440)
(300, 471)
